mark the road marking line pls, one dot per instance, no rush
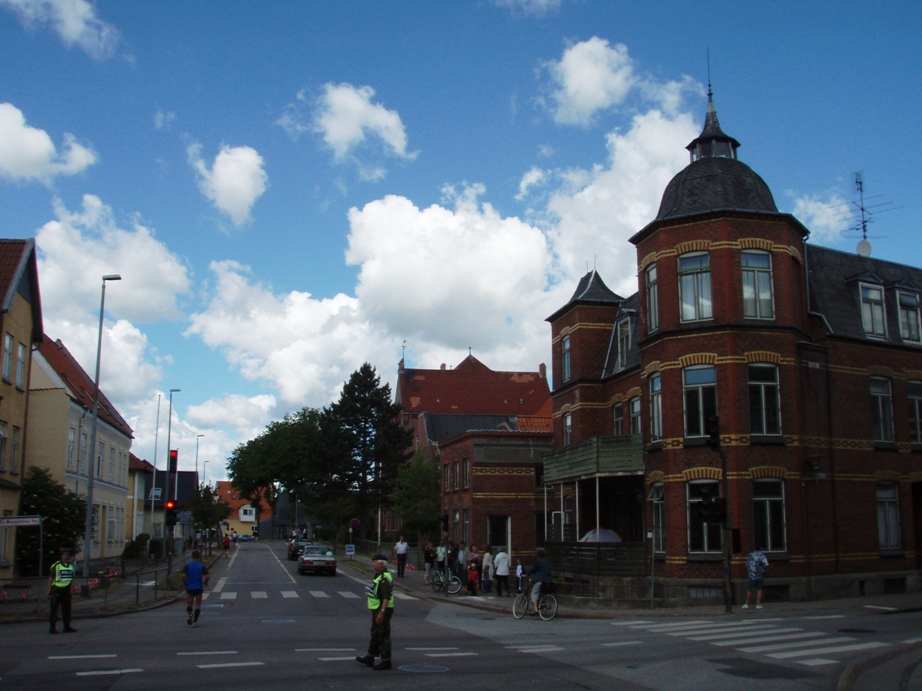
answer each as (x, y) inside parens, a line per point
(210, 652)
(631, 623)
(220, 586)
(324, 650)
(674, 626)
(79, 657)
(451, 654)
(774, 636)
(620, 643)
(827, 616)
(289, 594)
(454, 647)
(318, 593)
(818, 661)
(231, 664)
(834, 649)
(347, 594)
(228, 596)
(101, 672)
(334, 659)
(912, 640)
(404, 596)
(258, 595)
(782, 646)
(725, 634)
(886, 609)
(284, 567)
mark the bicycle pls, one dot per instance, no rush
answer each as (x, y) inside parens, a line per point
(438, 582)
(547, 603)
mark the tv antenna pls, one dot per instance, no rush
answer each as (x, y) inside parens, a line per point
(867, 212)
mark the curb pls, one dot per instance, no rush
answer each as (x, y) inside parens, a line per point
(851, 673)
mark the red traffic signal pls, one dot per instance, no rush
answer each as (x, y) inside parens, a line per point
(171, 505)
(174, 460)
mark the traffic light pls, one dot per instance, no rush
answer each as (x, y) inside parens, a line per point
(174, 461)
(170, 519)
(712, 429)
(719, 510)
(444, 522)
(706, 508)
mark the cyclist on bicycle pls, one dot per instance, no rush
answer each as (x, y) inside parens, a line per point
(540, 573)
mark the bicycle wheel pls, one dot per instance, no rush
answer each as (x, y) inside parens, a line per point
(454, 585)
(547, 607)
(438, 582)
(520, 606)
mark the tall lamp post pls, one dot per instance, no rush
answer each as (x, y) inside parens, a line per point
(197, 437)
(91, 464)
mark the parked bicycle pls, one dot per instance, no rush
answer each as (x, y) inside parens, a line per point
(438, 582)
(547, 603)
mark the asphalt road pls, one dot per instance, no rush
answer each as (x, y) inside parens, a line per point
(263, 626)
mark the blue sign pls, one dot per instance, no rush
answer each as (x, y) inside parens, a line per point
(350, 550)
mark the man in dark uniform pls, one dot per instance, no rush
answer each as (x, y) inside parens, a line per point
(381, 604)
(59, 582)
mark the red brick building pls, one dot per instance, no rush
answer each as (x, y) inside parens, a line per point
(808, 359)
(489, 431)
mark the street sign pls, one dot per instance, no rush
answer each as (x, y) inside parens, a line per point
(354, 524)
(11, 521)
(350, 550)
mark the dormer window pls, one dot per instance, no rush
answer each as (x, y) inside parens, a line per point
(872, 310)
(909, 316)
(624, 342)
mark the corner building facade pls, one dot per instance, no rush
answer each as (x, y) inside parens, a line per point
(809, 358)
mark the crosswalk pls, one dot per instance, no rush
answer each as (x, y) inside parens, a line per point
(292, 595)
(776, 639)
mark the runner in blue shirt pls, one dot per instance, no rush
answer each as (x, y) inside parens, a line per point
(195, 576)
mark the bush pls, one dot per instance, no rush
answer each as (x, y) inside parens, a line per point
(133, 550)
(155, 547)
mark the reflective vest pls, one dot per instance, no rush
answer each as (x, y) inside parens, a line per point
(63, 575)
(374, 602)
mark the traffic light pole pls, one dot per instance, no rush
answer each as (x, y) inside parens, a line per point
(725, 527)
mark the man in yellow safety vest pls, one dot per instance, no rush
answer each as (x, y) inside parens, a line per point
(59, 582)
(381, 604)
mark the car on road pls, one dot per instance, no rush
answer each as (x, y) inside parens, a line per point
(295, 547)
(317, 559)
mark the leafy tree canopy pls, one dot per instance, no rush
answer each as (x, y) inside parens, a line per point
(63, 520)
(416, 495)
(208, 509)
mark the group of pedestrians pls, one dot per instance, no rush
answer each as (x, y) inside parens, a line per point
(478, 572)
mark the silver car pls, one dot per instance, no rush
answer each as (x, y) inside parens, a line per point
(317, 559)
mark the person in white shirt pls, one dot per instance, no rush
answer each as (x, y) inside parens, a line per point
(400, 551)
(486, 570)
(501, 569)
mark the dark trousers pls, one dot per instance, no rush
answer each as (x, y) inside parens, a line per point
(401, 564)
(502, 582)
(60, 597)
(380, 644)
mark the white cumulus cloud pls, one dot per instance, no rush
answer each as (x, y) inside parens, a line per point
(826, 217)
(591, 76)
(234, 182)
(74, 21)
(27, 153)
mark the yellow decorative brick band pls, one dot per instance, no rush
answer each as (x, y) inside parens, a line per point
(698, 359)
(702, 474)
(693, 246)
(887, 476)
(880, 371)
(763, 356)
(650, 369)
(500, 470)
(772, 471)
(655, 476)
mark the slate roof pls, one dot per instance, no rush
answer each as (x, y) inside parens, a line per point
(440, 428)
(80, 385)
(19, 273)
(471, 388)
(591, 289)
(834, 278)
(629, 311)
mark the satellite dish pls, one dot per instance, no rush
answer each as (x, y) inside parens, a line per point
(864, 248)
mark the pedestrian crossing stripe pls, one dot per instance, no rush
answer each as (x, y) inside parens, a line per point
(258, 594)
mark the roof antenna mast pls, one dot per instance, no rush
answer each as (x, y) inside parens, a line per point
(864, 247)
(709, 72)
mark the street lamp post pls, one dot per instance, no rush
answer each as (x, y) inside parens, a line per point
(91, 465)
(197, 437)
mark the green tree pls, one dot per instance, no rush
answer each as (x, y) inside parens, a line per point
(416, 495)
(63, 520)
(208, 509)
(364, 446)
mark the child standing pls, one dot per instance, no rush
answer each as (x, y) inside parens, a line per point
(519, 575)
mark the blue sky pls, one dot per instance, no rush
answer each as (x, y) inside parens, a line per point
(290, 189)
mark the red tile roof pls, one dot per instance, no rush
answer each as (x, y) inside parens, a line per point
(80, 383)
(473, 388)
(135, 463)
(226, 490)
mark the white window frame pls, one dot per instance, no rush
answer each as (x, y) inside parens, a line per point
(634, 409)
(652, 299)
(20, 365)
(3, 444)
(565, 371)
(7, 355)
(656, 407)
(882, 408)
(873, 310)
(908, 305)
(761, 393)
(658, 506)
(914, 392)
(710, 532)
(888, 515)
(567, 429)
(705, 394)
(759, 303)
(768, 509)
(624, 342)
(695, 278)
(15, 443)
(71, 443)
(618, 416)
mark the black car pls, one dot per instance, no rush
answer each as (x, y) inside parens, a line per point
(295, 547)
